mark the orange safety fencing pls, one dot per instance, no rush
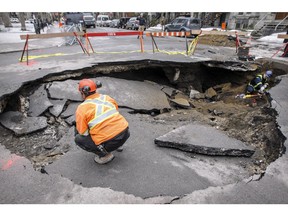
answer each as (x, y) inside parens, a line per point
(189, 49)
(76, 35)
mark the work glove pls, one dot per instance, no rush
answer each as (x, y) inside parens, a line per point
(262, 89)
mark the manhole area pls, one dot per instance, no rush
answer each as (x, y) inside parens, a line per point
(199, 93)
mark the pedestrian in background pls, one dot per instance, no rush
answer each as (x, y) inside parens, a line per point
(142, 23)
(37, 26)
(100, 128)
(162, 23)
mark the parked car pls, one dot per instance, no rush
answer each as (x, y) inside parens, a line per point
(14, 20)
(183, 24)
(103, 20)
(114, 23)
(132, 23)
(123, 22)
(89, 21)
(71, 18)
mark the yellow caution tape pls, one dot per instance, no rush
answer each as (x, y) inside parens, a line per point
(97, 52)
(192, 46)
(44, 56)
(116, 52)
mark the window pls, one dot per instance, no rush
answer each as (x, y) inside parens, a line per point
(240, 13)
(181, 21)
(195, 21)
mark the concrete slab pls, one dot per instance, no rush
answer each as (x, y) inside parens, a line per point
(39, 102)
(54, 189)
(20, 124)
(169, 91)
(65, 90)
(203, 140)
(70, 110)
(145, 170)
(70, 120)
(133, 94)
(57, 108)
(181, 102)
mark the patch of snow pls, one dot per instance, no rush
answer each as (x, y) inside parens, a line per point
(12, 34)
(272, 38)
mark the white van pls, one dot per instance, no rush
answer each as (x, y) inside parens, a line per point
(103, 20)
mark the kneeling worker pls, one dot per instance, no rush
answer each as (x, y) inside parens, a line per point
(101, 128)
(259, 83)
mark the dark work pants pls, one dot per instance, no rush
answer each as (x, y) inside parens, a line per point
(86, 143)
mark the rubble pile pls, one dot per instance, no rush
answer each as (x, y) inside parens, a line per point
(217, 40)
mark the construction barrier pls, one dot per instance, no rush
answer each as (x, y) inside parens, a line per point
(76, 35)
(163, 34)
(223, 25)
(284, 36)
(190, 48)
(282, 47)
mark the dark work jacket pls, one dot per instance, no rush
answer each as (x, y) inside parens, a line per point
(142, 21)
(258, 82)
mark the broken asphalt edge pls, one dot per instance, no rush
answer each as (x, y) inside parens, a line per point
(205, 150)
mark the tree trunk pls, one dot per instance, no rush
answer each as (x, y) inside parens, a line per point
(22, 21)
(6, 20)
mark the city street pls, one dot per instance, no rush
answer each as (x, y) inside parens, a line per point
(46, 167)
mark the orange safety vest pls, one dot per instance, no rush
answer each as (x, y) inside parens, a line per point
(98, 116)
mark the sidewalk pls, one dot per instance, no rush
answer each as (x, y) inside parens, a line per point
(10, 38)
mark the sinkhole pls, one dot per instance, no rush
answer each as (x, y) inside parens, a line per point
(199, 92)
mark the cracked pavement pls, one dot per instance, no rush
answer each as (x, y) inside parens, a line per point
(142, 173)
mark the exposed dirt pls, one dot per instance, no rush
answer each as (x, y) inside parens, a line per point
(217, 40)
(41, 148)
(250, 120)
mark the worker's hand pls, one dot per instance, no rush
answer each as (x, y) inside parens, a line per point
(262, 89)
(266, 85)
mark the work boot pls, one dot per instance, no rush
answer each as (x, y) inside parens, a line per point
(103, 160)
(120, 149)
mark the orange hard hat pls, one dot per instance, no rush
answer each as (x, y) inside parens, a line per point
(87, 85)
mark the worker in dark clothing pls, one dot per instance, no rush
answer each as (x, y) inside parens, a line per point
(101, 129)
(285, 54)
(37, 26)
(162, 23)
(259, 83)
(142, 23)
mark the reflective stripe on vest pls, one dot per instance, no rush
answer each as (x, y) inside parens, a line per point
(100, 114)
(255, 85)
